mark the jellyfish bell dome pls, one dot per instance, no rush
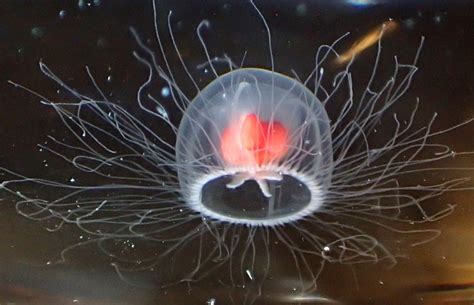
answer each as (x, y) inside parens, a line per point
(254, 147)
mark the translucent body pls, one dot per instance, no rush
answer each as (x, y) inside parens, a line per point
(254, 125)
(214, 221)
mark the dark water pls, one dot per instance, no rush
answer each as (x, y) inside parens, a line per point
(68, 36)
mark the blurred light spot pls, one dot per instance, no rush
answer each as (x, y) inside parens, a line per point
(101, 43)
(361, 3)
(366, 41)
(438, 18)
(37, 32)
(301, 9)
(409, 23)
(84, 4)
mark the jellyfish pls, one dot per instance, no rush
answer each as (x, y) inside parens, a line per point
(254, 125)
(255, 166)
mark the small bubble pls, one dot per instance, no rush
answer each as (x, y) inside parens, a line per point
(101, 43)
(109, 78)
(20, 51)
(165, 92)
(81, 4)
(211, 301)
(62, 14)
(438, 18)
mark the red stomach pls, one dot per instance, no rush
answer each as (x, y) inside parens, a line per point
(251, 142)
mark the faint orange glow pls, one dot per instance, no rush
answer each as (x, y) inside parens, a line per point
(366, 41)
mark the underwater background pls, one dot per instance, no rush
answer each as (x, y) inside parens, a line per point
(70, 35)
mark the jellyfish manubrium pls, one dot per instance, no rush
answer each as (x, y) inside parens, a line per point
(254, 172)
